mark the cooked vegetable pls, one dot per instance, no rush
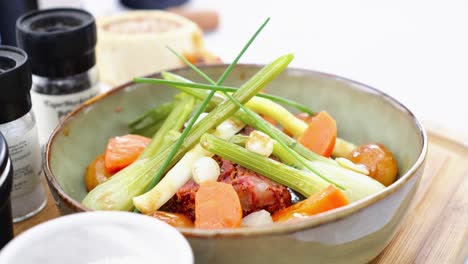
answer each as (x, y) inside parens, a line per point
(320, 135)
(356, 185)
(244, 117)
(259, 143)
(146, 124)
(262, 124)
(269, 120)
(328, 199)
(180, 173)
(302, 116)
(379, 160)
(174, 219)
(306, 117)
(255, 191)
(217, 206)
(342, 148)
(122, 151)
(304, 182)
(346, 163)
(117, 192)
(96, 173)
(183, 106)
(205, 169)
(258, 218)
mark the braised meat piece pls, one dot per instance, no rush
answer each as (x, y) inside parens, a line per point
(255, 191)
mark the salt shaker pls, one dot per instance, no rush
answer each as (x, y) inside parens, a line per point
(61, 45)
(18, 126)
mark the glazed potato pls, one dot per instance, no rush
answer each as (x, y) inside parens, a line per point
(174, 219)
(379, 161)
(96, 173)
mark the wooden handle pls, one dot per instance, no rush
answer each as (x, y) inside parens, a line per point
(207, 20)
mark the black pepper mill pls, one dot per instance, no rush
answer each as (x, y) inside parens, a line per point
(10, 10)
(6, 181)
(61, 45)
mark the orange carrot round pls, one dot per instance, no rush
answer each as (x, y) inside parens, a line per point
(328, 199)
(122, 151)
(320, 135)
(217, 206)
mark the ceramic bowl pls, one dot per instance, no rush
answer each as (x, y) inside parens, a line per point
(99, 238)
(356, 233)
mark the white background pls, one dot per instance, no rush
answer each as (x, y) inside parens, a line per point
(417, 51)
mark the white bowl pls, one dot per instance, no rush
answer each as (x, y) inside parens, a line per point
(99, 238)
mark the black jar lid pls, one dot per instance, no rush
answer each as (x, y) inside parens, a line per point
(151, 4)
(15, 84)
(6, 172)
(60, 41)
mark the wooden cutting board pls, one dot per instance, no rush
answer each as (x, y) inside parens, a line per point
(436, 227)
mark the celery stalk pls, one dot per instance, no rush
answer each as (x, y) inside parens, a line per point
(357, 186)
(117, 192)
(182, 108)
(151, 117)
(303, 182)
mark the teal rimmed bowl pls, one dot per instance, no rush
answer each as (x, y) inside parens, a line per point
(356, 233)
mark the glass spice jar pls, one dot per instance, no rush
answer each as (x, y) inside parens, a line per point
(18, 126)
(61, 45)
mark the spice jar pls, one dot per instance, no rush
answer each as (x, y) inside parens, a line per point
(6, 180)
(61, 46)
(18, 126)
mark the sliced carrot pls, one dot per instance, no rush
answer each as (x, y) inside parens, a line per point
(320, 135)
(270, 120)
(122, 151)
(328, 199)
(217, 205)
(96, 173)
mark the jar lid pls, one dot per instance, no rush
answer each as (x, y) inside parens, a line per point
(60, 41)
(150, 4)
(6, 172)
(15, 83)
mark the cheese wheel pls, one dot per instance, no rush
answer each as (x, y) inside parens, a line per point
(134, 44)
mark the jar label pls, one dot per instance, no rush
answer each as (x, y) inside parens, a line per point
(51, 109)
(25, 156)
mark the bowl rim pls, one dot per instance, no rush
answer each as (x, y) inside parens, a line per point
(67, 222)
(277, 229)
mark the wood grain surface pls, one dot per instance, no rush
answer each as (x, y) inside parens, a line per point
(436, 227)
